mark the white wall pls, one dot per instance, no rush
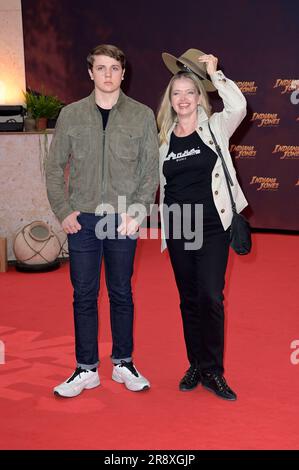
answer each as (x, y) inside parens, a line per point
(12, 65)
(23, 195)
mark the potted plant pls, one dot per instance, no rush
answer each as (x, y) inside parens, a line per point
(54, 108)
(42, 107)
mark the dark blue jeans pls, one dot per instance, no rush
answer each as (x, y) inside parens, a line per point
(86, 251)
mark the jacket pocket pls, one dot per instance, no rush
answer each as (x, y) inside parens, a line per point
(126, 144)
(80, 137)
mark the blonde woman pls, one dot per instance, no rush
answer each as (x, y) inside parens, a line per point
(192, 179)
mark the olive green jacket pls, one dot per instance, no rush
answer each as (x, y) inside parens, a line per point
(123, 160)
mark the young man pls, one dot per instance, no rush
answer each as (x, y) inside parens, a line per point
(111, 144)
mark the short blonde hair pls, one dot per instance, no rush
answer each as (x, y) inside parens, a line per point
(166, 114)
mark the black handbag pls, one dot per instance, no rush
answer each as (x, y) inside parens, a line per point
(240, 232)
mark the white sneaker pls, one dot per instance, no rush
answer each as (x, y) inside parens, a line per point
(126, 373)
(80, 380)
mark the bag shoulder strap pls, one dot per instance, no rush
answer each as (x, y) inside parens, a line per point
(228, 178)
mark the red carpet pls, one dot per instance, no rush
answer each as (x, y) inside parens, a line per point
(262, 321)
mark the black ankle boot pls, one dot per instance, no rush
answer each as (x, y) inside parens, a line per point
(191, 379)
(216, 383)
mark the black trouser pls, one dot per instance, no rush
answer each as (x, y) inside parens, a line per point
(200, 280)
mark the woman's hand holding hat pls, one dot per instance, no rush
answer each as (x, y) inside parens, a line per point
(193, 60)
(210, 61)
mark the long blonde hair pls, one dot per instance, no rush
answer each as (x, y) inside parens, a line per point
(166, 114)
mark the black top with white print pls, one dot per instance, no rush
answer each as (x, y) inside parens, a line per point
(188, 170)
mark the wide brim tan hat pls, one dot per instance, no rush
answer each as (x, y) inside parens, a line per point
(189, 62)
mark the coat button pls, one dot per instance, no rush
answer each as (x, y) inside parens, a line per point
(224, 79)
(211, 142)
(222, 211)
(217, 174)
(216, 192)
(200, 128)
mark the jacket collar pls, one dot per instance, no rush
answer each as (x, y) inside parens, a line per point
(202, 115)
(92, 99)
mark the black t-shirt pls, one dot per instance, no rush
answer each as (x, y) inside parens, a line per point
(105, 115)
(188, 170)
